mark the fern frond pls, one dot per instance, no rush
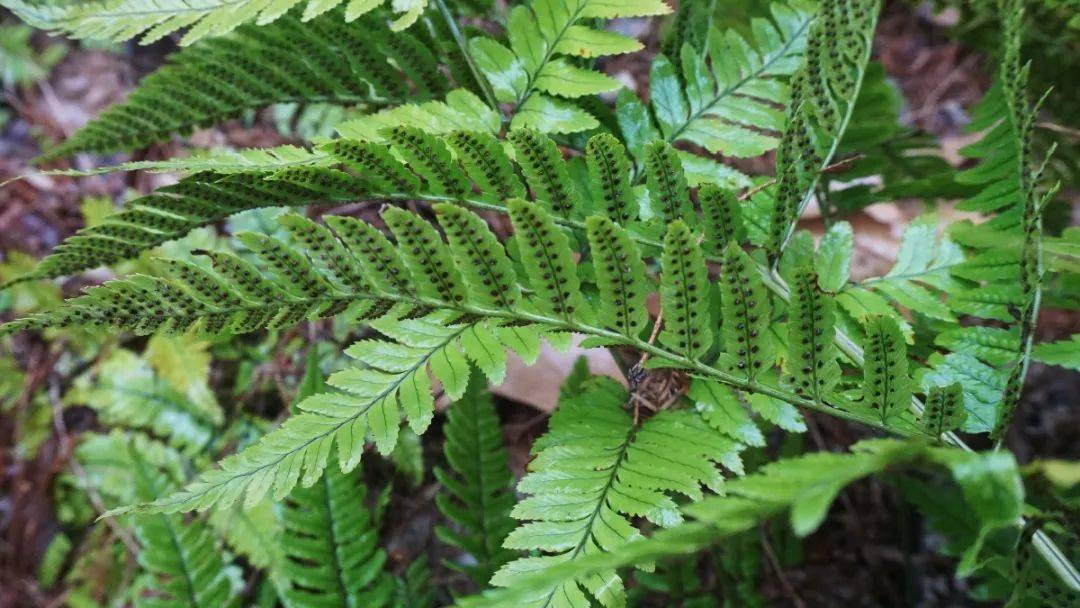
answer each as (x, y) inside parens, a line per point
(822, 100)
(329, 544)
(886, 385)
(331, 549)
(811, 339)
(181, 557)
(684, 288)
(255, 67)
(722, 93)
(120, 20)
(126, 391)
(593, 470)
(802, 487)
(534, 73)
(393, 379)
(476, 494)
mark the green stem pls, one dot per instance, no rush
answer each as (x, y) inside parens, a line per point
(463, 46)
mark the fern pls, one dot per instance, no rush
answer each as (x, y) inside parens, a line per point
(802, 487)
(331, 550)
(127, 392)
(120, 20)
(811, 339)
(590, 473)
(886, 384)
(535, 74)
(823, 99)
(287, 61)
(476, 496)
(944, 410)
(181, 558)
(720, 93)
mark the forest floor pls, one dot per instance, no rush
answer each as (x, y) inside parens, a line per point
(872, 551)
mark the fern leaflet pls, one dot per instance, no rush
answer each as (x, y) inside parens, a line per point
(476, 492)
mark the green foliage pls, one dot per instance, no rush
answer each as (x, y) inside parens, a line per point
(476, 496)
(717, 92)
(591, 473)
(287, 61)
(536, 71)
(811, 339)
(493, 237)
(120, 20)
(886, 384)
(20, 64)
(126, 391)
(803, 488)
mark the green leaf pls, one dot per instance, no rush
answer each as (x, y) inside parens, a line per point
(476, 495)
(684, 288)
(722, 217)
(668, 190)
(944, 409)
(887, 387)
(1065, 353)
(719, 405)
(811, 339)
(487, 270)
(609, 175)
(745, 311)
(547, 257)
(561, 78)
(833, 257)
(544, 169)
(619, 273)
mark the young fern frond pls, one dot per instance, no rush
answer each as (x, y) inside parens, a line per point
(536, 74)
(120, 20)
(722, 95)
(592, 472)
(811, 339)
(285, 62)
(476, 495)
